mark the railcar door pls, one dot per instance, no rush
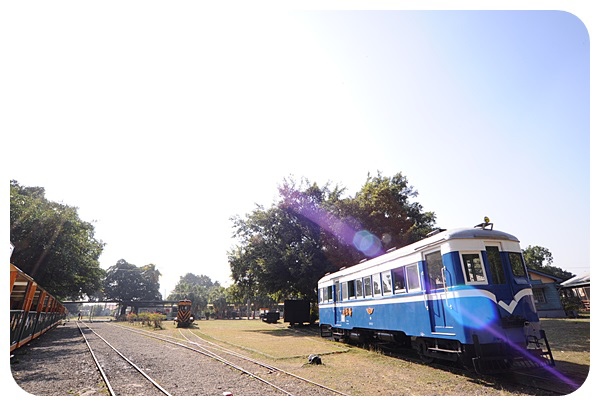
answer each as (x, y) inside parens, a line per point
(337, 294)
(438, 301)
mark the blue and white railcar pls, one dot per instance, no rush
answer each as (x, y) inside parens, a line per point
(461, 295)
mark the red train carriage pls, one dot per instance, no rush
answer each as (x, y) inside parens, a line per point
(33, 311)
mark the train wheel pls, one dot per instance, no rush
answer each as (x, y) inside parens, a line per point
(422, 351)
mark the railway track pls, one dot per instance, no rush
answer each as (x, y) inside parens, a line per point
(282, 381)
(120, 374)
(548, 380)
(191, 352)
(282, 377)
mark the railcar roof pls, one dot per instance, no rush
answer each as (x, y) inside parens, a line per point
(454, 234)
(480, 233)
(461, 233)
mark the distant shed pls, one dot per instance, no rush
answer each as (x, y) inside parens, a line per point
(546, 294)
(580, 287)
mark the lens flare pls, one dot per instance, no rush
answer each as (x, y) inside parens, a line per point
(367, 243)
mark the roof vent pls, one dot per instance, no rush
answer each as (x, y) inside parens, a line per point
(436, 231)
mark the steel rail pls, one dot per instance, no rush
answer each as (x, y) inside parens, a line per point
(152, 381)
(210, 355)
(270, 367)
(104, 377)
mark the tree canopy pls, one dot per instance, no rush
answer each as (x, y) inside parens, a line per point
(312, 230)
(129, 283)
(540, 259)
(201, 290)
(53, 245)
(197, 288)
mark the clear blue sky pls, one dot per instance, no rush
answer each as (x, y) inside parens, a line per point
(162, 122)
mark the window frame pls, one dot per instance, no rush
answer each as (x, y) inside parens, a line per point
(388, 274)
(539, 293)
(370, 286)
(431, 276)
(466, 274)
(519, 256)
(376, 283)
(498, 276)
(401, 270)
(414, 269)
(359, 282)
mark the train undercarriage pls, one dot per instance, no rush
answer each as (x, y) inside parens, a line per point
(483, 358)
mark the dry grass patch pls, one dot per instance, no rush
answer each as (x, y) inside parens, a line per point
(270, 340)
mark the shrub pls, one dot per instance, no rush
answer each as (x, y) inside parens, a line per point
(156, 319)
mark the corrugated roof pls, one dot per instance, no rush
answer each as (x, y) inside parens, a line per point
(575, 281)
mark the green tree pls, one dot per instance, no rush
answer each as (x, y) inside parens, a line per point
(312, 230)
(53, 245)
(218, 298)
(540, 259)
(127, 283)
(384, 206)
(196, 288)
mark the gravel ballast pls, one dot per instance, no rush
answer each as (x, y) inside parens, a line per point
(60, 364)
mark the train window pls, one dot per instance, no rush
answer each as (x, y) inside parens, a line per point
(376, 284)
(473, 268)
(344, 291)
(386, 282)
(351, 291)
(329, 295)
(399, 280)
(516, 263)
(496, 269)
(434, 269)
(359, 288)
(368, 287)
(412, 277)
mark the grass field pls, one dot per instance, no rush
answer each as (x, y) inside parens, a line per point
(359, 372)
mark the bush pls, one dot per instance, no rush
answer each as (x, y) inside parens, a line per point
(151, 319)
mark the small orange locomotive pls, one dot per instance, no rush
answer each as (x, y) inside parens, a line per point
(184, 313)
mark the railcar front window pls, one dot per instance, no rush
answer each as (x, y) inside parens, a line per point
(516, 263)
(496, 269)
(473, 268)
